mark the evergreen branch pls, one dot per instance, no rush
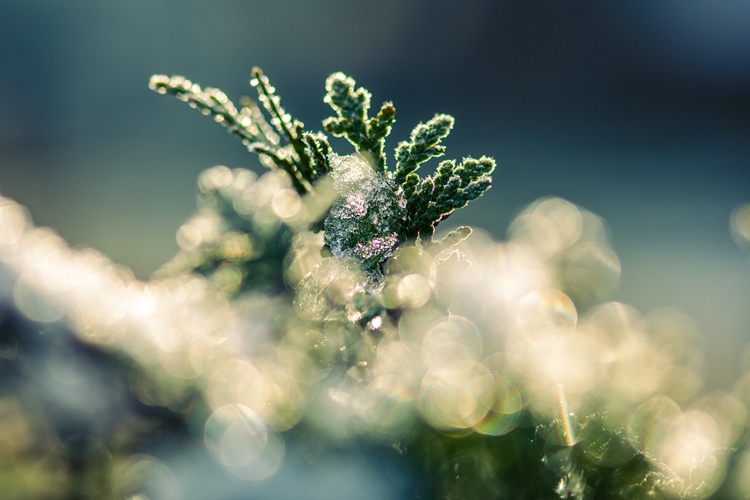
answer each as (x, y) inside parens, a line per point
(278, 157)
(284, 123)
(364, 220)
(251, 109)
(410, 186)
(420, 209)
(379, 128)
(450, 240)
(215, 103)
(471, 168)
(437, 198)
(306, 157)
(318, 150)
(262, 148)
(423, 145)
(351, 106)
(249, 123)
(444, 171)
(267, 96)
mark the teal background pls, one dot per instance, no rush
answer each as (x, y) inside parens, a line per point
(638, 111)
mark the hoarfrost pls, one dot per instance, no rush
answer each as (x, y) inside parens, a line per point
(364, 221)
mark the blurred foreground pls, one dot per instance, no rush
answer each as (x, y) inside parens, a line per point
(465, 355)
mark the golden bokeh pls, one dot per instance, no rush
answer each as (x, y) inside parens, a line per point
(469, 340)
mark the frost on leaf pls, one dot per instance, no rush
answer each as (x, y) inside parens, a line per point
(365, 220)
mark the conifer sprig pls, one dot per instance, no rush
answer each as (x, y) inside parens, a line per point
(435, 199)
(423, 145)
(351, 105)
(317, 149)
(291, 128)
(215, 103)
(251, 127)
(256, 114)
(430, 200)
(305, 157)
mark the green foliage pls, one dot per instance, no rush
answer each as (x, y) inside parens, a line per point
(351, 105)
(420, 204)
(423, 145)
(428, 200)
(366, 231)
(317, 150)
(432, 200)
(252, 128)
(373, 331)
(521, 464)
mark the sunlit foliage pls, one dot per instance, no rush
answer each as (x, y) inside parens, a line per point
(317, 297)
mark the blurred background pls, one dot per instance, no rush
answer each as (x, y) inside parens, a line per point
(637, 111)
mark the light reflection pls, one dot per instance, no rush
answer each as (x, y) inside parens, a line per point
(413, 291)
(469, 340)
(157, 389)
(399, 358)
(546, 313)
(611, 325)
(740, 479)
(739, 224)
(240, 440)
(36, 306)
(633, 376)
(13, 222)
(550, 225)
(286, 204)
(457, 395)
(602, 439)
(236, 381)
(565, 427)
(591, 272)
(144, 476)
(505, 411)
(728, 414)
(651, 423)
(519, 269)
(450, 340)
(388, 412)
(690, 452)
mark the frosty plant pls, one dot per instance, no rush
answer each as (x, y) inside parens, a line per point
(314, 303)
(378, 209)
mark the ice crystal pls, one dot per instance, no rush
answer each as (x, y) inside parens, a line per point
(364, 222)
